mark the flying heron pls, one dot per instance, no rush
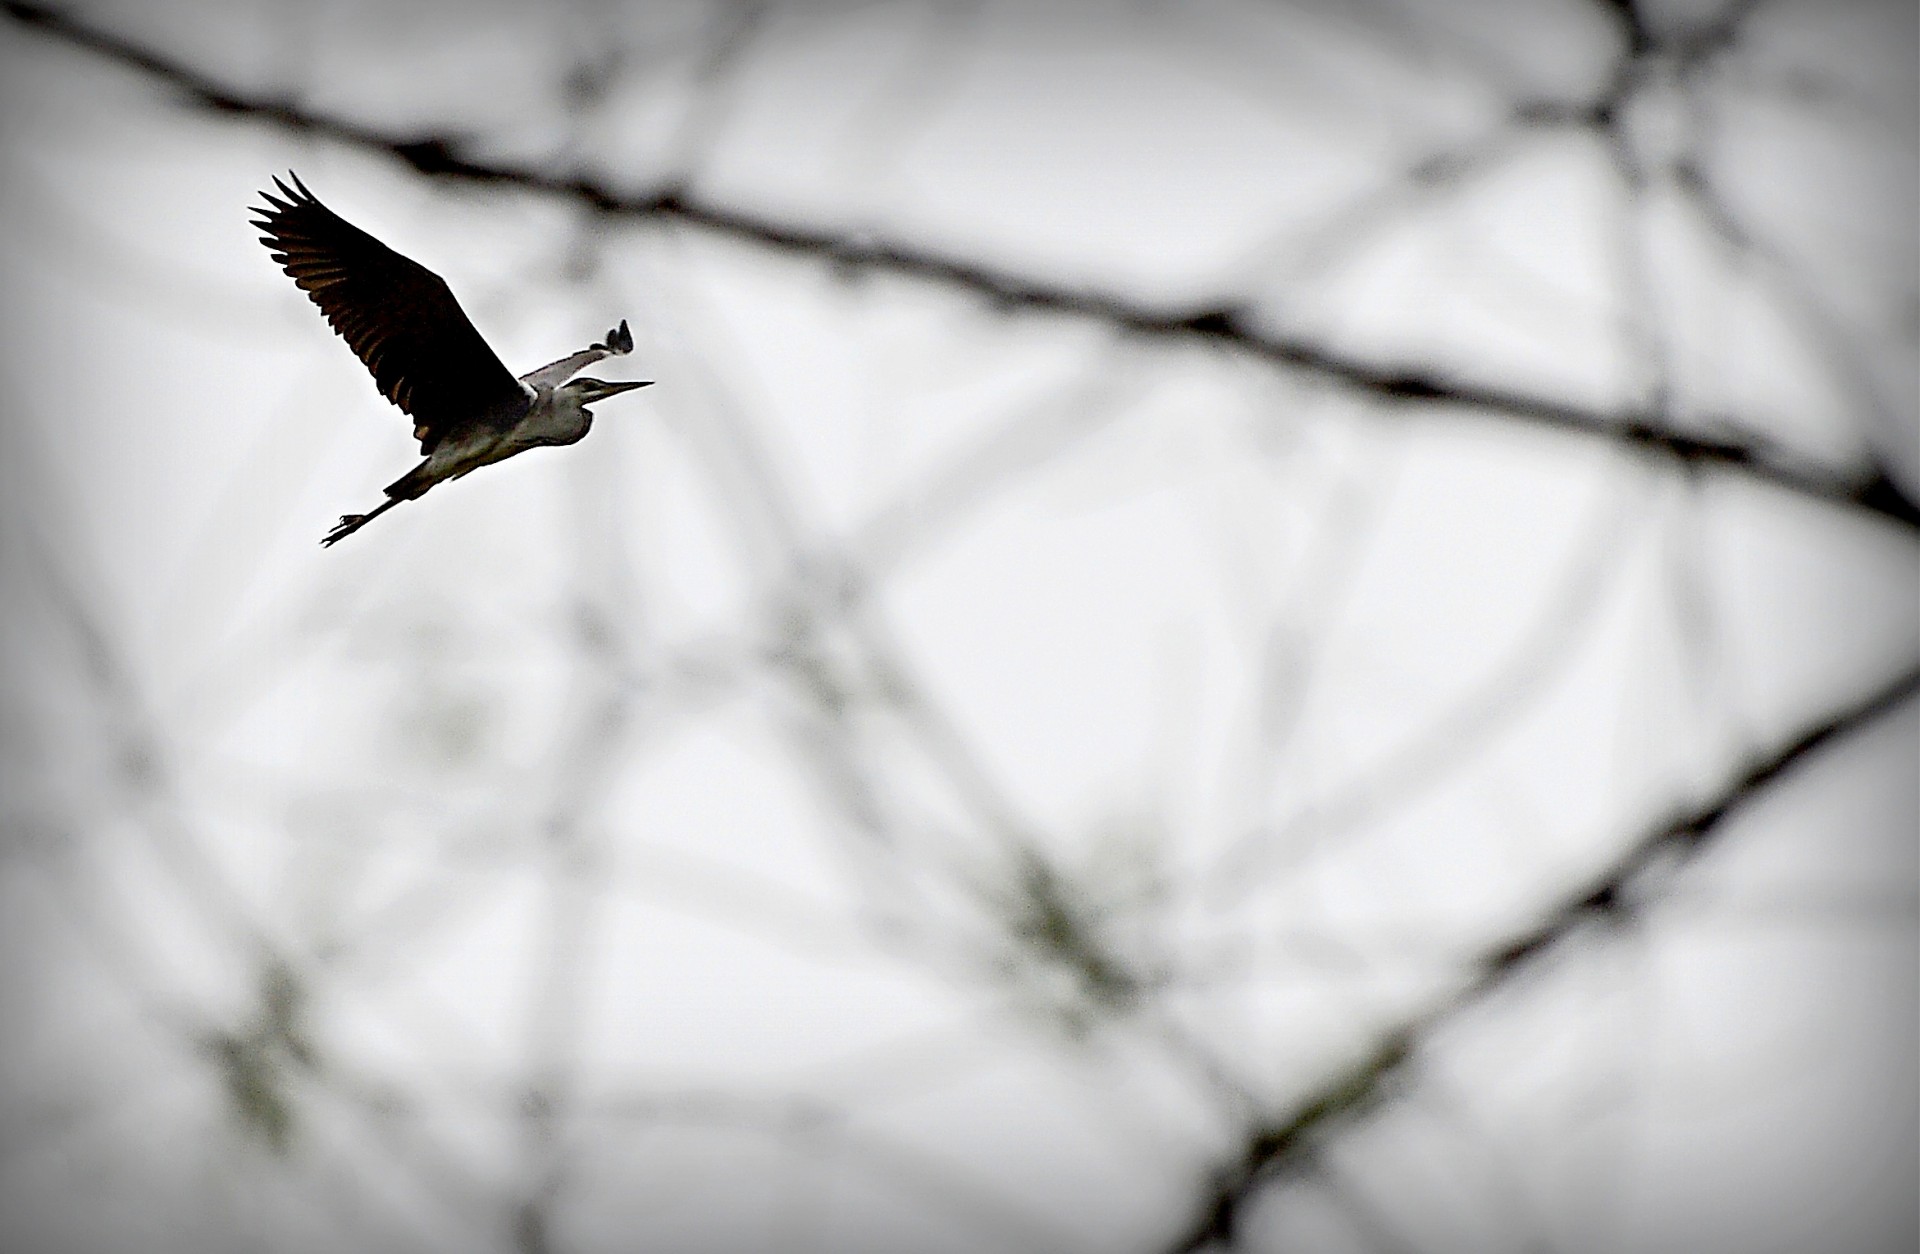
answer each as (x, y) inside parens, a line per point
(404, 325)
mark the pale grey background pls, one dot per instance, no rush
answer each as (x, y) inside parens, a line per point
(938, 773)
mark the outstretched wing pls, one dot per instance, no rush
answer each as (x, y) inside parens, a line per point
(618, 343)
(399, 317)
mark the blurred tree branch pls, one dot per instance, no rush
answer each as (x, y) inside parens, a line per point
(1289, 1141)
(1283, 1143)
(1227, 324)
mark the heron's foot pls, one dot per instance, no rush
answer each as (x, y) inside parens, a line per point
(348, 524)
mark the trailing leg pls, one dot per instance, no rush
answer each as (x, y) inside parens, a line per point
(350, 523)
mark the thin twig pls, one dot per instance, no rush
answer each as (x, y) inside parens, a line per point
(1224, 323)
(1271, 1147)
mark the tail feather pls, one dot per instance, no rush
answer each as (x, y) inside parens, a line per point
(414, 484)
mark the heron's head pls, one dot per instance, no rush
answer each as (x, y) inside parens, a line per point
(584, 392)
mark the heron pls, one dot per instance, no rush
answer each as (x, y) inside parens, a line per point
(402, 322)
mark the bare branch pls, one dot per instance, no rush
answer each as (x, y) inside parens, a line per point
(1225, 324)
(1271, 1148)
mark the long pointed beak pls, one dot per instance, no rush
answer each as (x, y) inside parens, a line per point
(614, 389)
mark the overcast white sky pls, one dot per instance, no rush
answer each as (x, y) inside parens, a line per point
(930, 773)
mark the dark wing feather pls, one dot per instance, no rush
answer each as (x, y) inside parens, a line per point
(399, 317)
